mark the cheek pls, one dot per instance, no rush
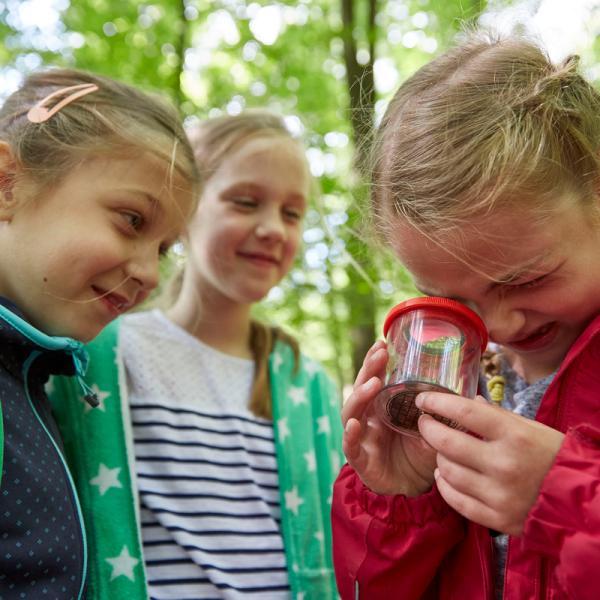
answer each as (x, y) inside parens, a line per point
(88, 260)
(207, 250)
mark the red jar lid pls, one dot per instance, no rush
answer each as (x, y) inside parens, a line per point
(433, 302)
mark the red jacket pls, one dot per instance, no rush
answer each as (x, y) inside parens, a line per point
(394, 547)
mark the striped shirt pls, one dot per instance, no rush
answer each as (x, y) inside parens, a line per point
(206, 468)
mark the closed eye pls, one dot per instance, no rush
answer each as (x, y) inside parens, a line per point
(528, 284)
(292, 214)
(245, 202)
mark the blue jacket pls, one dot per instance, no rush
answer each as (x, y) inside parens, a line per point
(42, 541)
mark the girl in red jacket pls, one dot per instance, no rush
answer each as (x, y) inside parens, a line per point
(486, 187)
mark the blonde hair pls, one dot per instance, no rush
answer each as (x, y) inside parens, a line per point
(116, 119)
(490, 122)
(213, 140)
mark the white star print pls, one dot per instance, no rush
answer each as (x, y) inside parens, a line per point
(297, 395)
(106, 479)
(323, 424)
(102, 396)
(292, 500)
(282, 428)
(311, 461)
(311, 367)
(123, 565)
(320, 536)
(300, 596)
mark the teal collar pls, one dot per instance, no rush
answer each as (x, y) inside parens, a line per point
(54, 343)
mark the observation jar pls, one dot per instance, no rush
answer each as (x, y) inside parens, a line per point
(433, 344)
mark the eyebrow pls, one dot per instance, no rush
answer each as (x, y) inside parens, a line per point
(157, 207)
(254, 187)
(142, 194)
(151, 199)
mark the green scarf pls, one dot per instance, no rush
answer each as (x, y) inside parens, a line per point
(99, 450)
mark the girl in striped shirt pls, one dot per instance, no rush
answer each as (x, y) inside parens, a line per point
(232, 434)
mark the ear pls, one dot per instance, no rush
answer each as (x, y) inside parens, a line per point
(8, 176)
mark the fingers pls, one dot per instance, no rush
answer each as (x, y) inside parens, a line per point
(457, 446)
(351, 440)
(373, 364)
(462, 478)
(471, 508)
(368, 383)
(479, 417)
(488, 481)
(360, 399)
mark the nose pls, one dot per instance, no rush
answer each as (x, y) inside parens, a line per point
(143, 267)
(270, 226)
(504, 322)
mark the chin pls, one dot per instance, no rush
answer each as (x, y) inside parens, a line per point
(81, 334)
(545, 363)
(252, 298)
(89, 334)
(85, 338)
(252, 295)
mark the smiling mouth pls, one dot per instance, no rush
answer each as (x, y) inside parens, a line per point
(115, 301)
(264, 259)
(538, 339)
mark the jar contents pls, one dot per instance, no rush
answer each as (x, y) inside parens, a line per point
(399, 405)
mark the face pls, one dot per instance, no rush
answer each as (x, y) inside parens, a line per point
(82, 253)
(536, 286)
(247, 228)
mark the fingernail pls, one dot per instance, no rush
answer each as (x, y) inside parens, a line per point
(375, 355)
(420, 400)
(436, 474)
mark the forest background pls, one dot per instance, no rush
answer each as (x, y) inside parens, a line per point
(329, 67)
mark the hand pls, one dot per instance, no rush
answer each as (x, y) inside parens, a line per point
(493, 480)
(386, 461)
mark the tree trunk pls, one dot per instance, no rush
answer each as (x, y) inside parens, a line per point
(361, 91)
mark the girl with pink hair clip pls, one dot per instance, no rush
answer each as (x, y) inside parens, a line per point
(96, 182)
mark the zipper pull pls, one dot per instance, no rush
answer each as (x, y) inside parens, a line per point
(88, 394)
(80, 360)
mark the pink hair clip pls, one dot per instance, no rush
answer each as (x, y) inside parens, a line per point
(39, 113)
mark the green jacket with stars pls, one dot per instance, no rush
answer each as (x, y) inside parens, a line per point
(98, 443)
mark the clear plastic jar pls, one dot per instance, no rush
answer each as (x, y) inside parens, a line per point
(433, 344)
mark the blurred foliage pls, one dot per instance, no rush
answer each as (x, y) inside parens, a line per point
(225, 55)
